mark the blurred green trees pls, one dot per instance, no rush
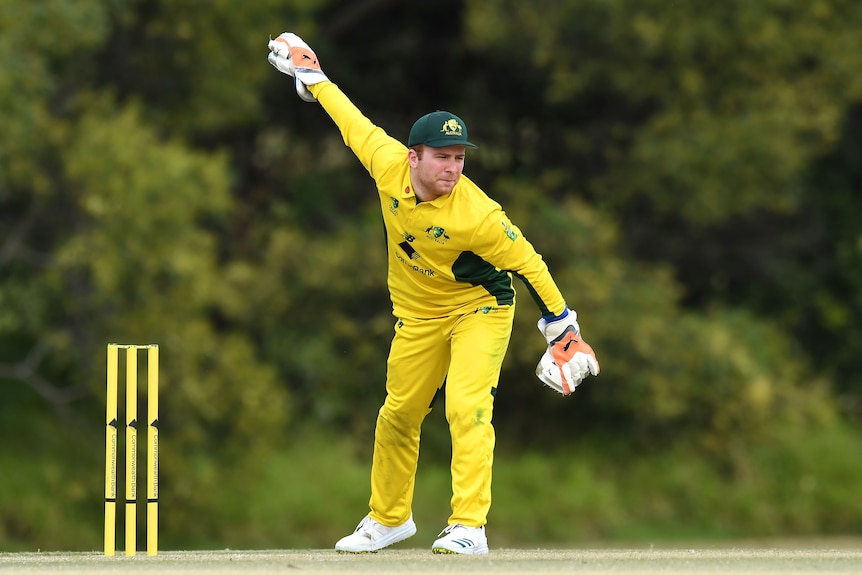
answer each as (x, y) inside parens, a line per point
(688, 171)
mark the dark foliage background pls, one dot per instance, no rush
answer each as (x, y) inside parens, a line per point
(689, 171)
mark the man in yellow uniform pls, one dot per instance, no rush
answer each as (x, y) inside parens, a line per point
(452, 254)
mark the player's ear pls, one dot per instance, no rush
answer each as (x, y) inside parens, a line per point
(414, 155)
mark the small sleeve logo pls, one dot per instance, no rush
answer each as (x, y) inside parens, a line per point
(509, 230)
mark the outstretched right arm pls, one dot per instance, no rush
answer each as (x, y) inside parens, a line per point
(290, 55)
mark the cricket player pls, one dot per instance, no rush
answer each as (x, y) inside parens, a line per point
(452, 252)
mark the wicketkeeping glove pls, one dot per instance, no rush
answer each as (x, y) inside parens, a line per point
(568, 359)
(292, 56)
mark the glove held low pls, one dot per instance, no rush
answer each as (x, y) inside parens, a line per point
(568, 359)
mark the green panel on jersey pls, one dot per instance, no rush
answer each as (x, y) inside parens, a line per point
(472, 269)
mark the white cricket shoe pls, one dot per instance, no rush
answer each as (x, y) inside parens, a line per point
(462, 540)
(370, 536)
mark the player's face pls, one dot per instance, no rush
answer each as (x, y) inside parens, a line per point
(435, 171)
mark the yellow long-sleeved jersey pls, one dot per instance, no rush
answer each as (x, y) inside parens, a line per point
(449, 256)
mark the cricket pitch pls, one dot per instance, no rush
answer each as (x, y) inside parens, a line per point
(787, 560)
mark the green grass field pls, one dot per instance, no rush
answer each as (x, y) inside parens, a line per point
(827, 558)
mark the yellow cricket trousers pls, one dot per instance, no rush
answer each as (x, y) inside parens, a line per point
(466, 352)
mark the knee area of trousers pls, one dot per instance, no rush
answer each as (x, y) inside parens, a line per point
(472, 416)
(402, 417)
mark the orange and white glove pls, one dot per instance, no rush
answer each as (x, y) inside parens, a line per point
(568, 359)
(290, 55)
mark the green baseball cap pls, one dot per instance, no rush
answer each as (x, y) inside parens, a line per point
(439, 129)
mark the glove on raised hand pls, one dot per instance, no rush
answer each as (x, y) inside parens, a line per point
(290, 55)
(568, 359)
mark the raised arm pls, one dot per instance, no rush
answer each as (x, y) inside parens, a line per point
(290, 55)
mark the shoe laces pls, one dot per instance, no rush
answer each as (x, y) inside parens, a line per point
(451, 528)
(366, 527)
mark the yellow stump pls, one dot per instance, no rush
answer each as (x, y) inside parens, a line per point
(131, 448)
(111, 455)
(153, 451)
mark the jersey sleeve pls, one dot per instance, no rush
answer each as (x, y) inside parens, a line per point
(375, 149)
(502, 244)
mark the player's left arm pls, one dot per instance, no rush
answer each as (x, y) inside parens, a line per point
(501, 243)
(569, 359)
